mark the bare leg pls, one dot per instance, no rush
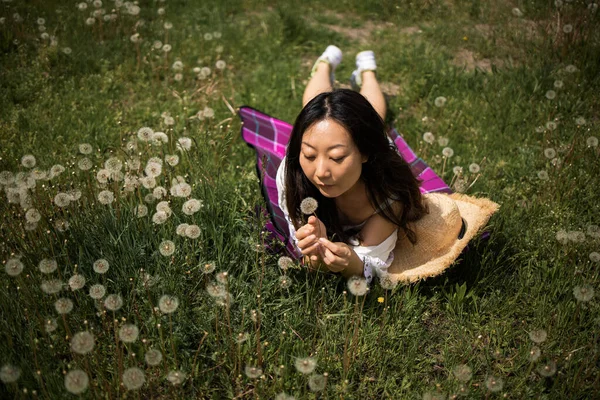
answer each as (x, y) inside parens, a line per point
(372, 92)
(318, 83)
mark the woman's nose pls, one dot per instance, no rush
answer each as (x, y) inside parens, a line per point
(322, 170)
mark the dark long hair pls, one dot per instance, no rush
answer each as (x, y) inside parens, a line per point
(385, 173)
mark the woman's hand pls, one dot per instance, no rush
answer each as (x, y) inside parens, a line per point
(308, 237)
(339, 257)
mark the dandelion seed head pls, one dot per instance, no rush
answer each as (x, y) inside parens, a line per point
(214, 289)
(591, 141)
(308, 205)
(172, 159)
(284, 282)
(494, 384)
(28, 161)
(82, 342)
(106, 197)
(76, 381)
(285, 263)
(153, 357)
(567, 28)
(220, 64)
(387, 283)
(594, 256)
(576, 236)
(534, 354)
(593, 231)
(191, 206)
(284, 396)
(13, 267)
(63, 305)
(133, 378)
(550, 94)
(317, 382)
(457, 170)
(547, 369)
(50, 325)
(549, 153)
(62, 200)
(253, 372)
(305, 365)
(429, 137)
(101, 266)
(517, 12)
(222, 277)
(145, 134)
(538, 335)
(85, 164)
(357, 286)
(168, 304)
(97, 291)
(166, 248)
(543, 175)
(551, 125)
(558, 84)
(52, 286)
(76, 282)
(9, 373)
(209, 267)
(571, 68)
(176, 377)
(440, 101)
(583, 293)
(462, 372)
(113, 302)
(129, 333)
(47, 265)
(159, 217)
(447, 152)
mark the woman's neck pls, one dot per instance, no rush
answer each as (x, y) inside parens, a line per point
(354, 203)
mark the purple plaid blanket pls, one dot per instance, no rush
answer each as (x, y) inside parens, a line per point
(269, 137)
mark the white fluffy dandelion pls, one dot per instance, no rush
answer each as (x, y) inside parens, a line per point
(63, 305)
(129, 333)
(549, 153)
(220, 64)
(534, 354)
(447, 152)
(209, 267)
(494, 383)
(133, 378)
(77, 282)
(28, 161)
(184, 144)
(160, 217)
(551, 125)
(9, 373)
(305, 365)
(591, 141)
(166, 248)
(85, 148)
(567, 28)
(168, 304)
(62, 200)
(583, 293)
(517, 12)
(172, 159)
(106, 197)
(97, 291)
(440, 101)
(429, 137)
(538, 335)
(113, 302)
(176, 377)
(145, 134)
(153, 357)
(191, 206)
(547, 369)
(76, 381)
(308, 205)
(543, 175)
(192, 231)
(13, 267)
(52, 286)
(141, 210)
(550, 94)
(50, 325)
(82, 342)
(474, 168)
(47, 266)
(317, 382)
(85, 164)
(357, 286)
(462, 372)
(101, 266)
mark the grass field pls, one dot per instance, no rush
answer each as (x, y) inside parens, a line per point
(134, 264)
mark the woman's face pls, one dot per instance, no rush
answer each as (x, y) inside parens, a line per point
(330, 159)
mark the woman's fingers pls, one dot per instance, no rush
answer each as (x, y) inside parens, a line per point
(307, 241)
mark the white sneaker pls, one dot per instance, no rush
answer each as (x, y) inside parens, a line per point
(332, 56)
(365, 61)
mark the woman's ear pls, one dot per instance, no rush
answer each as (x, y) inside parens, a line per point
(365, 159)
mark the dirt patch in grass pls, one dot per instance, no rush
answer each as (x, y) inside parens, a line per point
(470, 61)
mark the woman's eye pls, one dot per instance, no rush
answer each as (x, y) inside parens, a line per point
(309, 158)
(339, 159)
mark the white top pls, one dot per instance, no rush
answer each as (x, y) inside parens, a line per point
(376, 259)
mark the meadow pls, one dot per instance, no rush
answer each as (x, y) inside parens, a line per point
(132, 241)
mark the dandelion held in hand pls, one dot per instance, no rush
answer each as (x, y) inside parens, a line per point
(82, 342)
(76, 381)
(308, 206)
(133, 378)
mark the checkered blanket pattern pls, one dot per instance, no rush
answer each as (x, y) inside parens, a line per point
(269, 137)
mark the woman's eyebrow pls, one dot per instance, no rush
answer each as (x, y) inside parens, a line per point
(329, 148)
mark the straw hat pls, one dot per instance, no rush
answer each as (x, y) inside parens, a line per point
(438, 232)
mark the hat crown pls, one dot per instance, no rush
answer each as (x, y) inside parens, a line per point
(438, 230)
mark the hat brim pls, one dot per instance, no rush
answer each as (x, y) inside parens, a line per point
(476, 212)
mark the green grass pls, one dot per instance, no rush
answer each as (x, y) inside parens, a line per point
(479, 313)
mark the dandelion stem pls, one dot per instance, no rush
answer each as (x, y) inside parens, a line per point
(172, 341)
